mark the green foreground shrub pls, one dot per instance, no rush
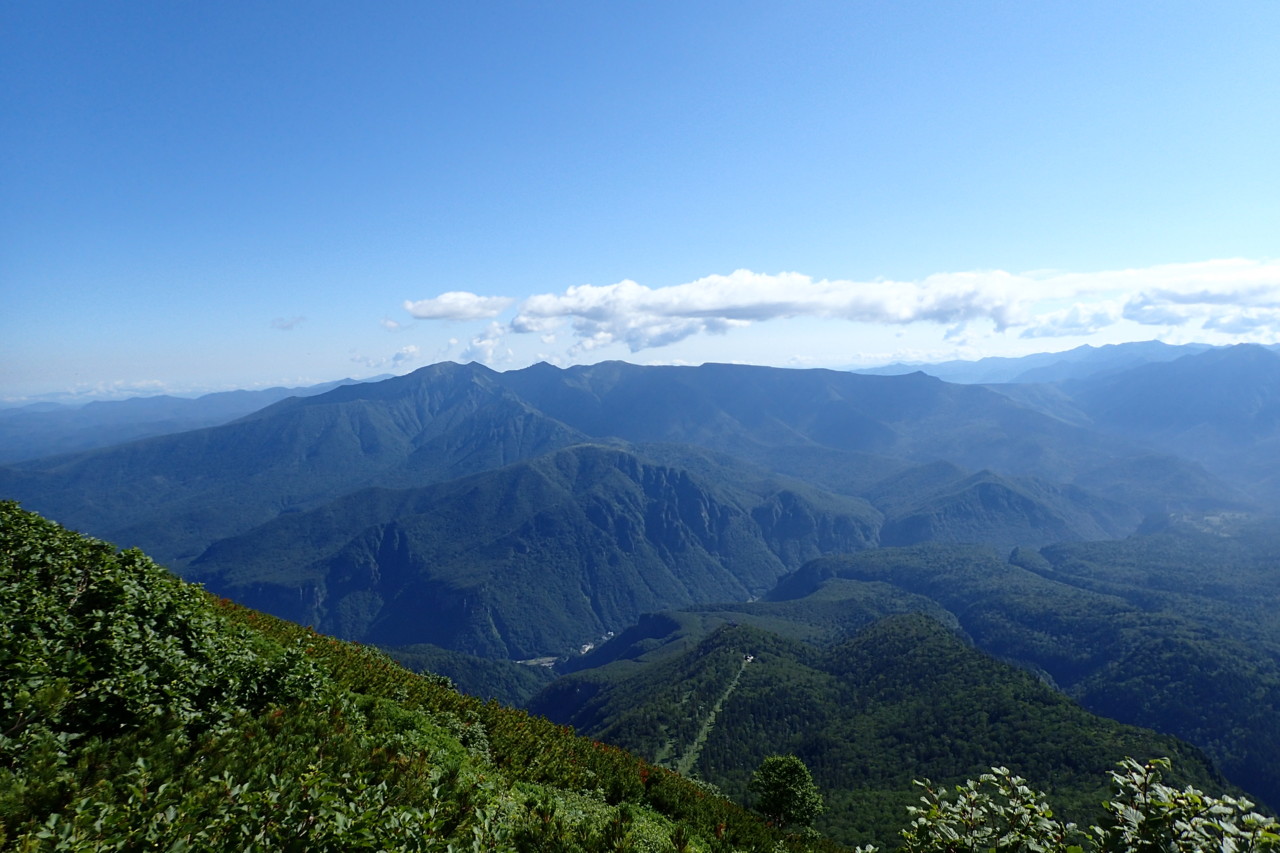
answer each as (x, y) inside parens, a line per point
(999, 812)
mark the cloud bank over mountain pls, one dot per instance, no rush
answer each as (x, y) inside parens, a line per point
(1236, 297)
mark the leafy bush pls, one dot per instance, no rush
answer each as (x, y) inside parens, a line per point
(785, 791)
(999, 812)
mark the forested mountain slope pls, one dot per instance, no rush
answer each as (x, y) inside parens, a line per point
(939, 503)
(590, 537)
(904, 698)
(175, 495)
(776, 417)
(1176, 631)
(534, 559)
(138, 713)
(844, 433)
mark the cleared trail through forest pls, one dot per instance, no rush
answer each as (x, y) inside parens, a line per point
(690, 758)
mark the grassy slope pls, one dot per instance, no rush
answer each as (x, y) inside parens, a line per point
(137, 712)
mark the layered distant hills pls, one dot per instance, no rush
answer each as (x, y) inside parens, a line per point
(438, 506)
(44, 429)
(598, 492)
(1079, 363)
(1101, 522)
(843, 432)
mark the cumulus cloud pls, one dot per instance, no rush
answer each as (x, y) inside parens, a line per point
(1080, 319)
(1229, 296)
(487, 346)
(458, 305)
(1234, 298)
(406, 355)
(1245, 321)
(643, 318)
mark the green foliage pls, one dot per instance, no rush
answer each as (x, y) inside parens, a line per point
(999, 811)
(587, 538)
(508, 682)
(1176, 631)
(785, 793)
(137, 712)
(1146, 814)
(903, 698)
(95, 644)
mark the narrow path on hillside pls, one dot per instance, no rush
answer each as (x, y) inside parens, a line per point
(690, 758)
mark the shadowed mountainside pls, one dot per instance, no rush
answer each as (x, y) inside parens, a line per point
(586, 538)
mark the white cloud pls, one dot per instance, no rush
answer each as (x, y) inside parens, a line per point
(1229, 296)
(287, 325)
(643, 318)
(1081, 318)
(403, 356)
(1209, 293)
(1245, 321)
(406, 355)
(458, 305)
(487, 346)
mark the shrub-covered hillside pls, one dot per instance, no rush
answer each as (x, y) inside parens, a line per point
(137, 712)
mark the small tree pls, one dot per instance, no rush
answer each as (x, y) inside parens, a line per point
(785, 793)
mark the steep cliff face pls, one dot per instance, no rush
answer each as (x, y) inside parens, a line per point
(534, 559)
(797, 529)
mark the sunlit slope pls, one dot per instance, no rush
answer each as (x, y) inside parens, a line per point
(137, 712)
(904, 698)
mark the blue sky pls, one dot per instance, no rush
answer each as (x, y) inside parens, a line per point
(201, 196)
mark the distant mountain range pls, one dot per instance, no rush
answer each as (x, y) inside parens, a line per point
(754, 469)
(1079, 363)
(45, 429)
(1106, 531)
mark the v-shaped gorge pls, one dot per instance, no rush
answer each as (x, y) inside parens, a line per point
(536, 558)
